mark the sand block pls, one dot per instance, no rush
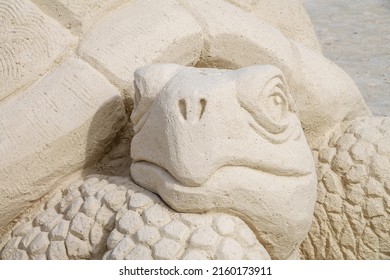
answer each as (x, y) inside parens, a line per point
(60, 124)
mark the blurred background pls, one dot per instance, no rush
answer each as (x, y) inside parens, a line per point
(356, 36)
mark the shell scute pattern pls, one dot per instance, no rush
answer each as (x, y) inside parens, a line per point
(352, 218)
(111, 218)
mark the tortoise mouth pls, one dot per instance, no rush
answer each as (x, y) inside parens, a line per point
(155, 170)
(156, 175)
(165, 177)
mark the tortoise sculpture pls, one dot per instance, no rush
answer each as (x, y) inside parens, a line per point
(223, 148)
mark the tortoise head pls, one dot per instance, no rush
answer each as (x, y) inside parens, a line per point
(228, 141)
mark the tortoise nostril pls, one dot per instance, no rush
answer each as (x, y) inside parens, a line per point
(192, 111)
(183, 108)
(202, 107)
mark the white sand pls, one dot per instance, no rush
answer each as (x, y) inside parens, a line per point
(356, 36)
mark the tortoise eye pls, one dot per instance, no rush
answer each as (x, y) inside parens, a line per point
(271, 109)
(272, 113)
(277, 105)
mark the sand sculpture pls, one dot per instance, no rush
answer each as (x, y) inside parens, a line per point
(280, 158)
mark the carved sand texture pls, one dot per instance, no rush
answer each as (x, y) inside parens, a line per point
(62, 106)
(352, 215)
(115, 46)
(30, 43)
(114, 217)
